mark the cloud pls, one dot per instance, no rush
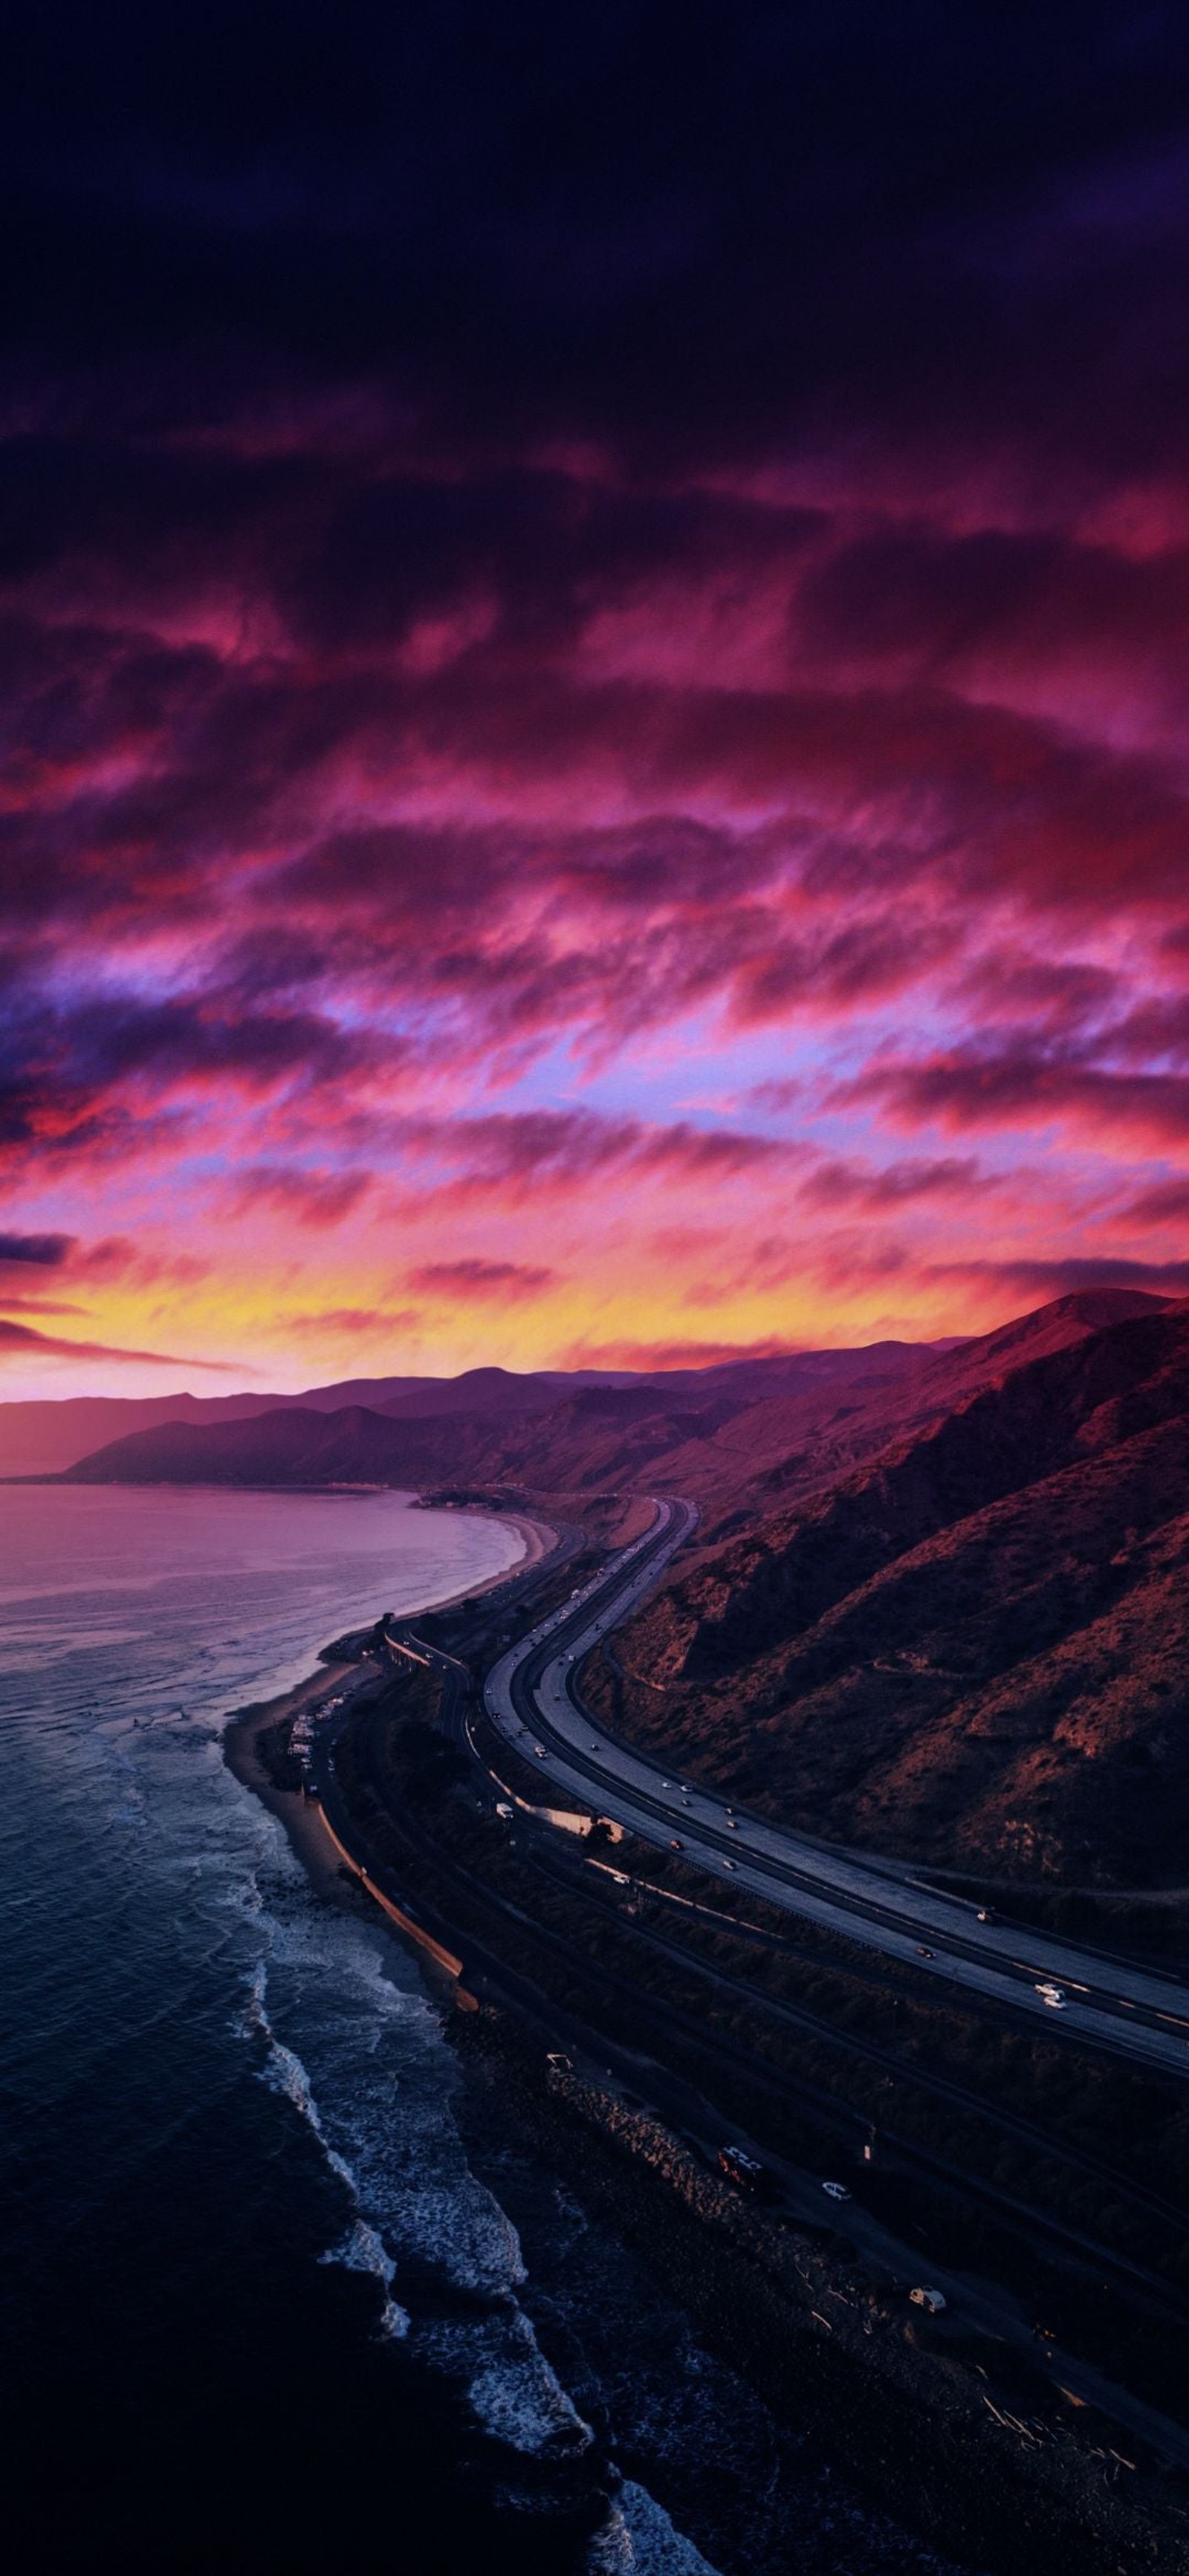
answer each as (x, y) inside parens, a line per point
(1166, 1203)
(1017, 1088)
(503, 1282)
(365, 1321)
(20, 1341)
(842, 1184)
(314, 1198)
(1062, 1278)
(448, 730)
(46, 1251)
(38, 1305)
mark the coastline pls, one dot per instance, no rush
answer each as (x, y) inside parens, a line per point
(245, 1727)
(904, 2452)
(539, 1542)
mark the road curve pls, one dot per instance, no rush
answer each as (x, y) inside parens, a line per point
(1129, 2011)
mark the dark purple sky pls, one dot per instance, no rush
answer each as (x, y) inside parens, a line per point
(594, 623)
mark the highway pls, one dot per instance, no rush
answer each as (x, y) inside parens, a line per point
(1128, 2011)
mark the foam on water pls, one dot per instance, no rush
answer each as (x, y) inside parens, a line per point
(513, 2391)
(638, 2539)
(373, 2081)
(361, 2250)
(385, 2081)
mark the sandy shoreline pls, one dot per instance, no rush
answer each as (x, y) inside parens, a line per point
(244, 1728)
(538, 1539)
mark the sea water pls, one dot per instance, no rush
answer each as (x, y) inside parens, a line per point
(261, 2312)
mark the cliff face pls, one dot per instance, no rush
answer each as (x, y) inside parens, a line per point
(974, 1648)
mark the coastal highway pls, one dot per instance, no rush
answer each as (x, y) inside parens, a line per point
(1128, 2011)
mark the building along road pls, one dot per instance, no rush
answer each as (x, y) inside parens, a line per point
(1129, 2011)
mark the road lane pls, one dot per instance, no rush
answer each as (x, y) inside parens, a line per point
(1131, 2012)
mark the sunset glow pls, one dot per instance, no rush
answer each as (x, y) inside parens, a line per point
(512, 855)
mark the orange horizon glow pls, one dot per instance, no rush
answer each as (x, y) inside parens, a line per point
(766, 957)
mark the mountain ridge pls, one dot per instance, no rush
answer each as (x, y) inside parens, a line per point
(974, 1648)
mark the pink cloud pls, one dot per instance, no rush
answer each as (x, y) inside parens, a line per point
(503, 1282)
(20, 1341)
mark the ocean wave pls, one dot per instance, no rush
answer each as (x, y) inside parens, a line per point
(374, 2082)
(385, 2079)
(361, 2250)
(638, 2539)
(512, 2390)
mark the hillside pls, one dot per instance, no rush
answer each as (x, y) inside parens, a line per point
(938, 1599)
(973, 1648)
(736, 1437)
(44, 1436)
(555, 1432)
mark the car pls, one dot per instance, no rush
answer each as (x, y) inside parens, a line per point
(503, 1811)
(933, 2300)
(562, 2065)
(594, 1744)
(728, 1864)
(674, 1844)
(835, 2191)
(539, 1750)
(922, 1952)
(741, 2167)
(732, 1827)
(985, 1915)
(1055, 2003)
(1050, 1993)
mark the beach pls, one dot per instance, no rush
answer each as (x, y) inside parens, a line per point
(247, 1727)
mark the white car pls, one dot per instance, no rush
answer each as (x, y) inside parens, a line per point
(835, 2191)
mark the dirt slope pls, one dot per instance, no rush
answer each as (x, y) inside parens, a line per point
(973, 1648)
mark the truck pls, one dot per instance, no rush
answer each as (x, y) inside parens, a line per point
(932, 2301)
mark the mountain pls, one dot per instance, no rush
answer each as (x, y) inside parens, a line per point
(738, 1437)
(41, 1437)
(480, 1415)
(973, 1648)
(939, 1599)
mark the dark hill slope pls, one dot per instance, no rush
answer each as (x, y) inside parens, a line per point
(799, 1439)
(43, 1437)
(298, 1446)
(973, 1649)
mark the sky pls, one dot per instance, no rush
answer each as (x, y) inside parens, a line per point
(594, 638)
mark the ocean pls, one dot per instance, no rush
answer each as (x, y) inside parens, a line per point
(261, 2311)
